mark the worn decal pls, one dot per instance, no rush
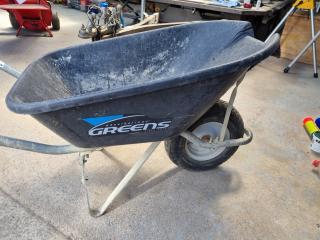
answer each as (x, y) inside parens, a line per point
(121, 124)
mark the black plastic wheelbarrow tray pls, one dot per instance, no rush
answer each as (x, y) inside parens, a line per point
(158, 85)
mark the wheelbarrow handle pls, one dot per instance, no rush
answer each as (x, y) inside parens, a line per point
(8, 69)
(40, 147)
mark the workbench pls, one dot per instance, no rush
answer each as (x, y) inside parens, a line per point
(267, 8)
(263, 19)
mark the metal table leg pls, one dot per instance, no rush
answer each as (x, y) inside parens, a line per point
(314, 48)
(286, 70)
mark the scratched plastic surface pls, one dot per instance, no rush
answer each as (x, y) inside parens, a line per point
(136, 60)
(171, 74)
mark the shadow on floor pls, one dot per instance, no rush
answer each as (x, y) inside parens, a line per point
(24, 33)
(60, 199)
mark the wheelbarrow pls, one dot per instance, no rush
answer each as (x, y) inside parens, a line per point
(34, 15)
(159, 85)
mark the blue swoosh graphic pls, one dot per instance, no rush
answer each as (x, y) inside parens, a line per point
(99, 120)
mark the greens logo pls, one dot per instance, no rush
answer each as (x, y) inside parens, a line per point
(121, 124)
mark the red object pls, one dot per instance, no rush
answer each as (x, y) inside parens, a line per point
(316, 163)
(307, 119)
(83, 4)
(247, 5)
(34, 15)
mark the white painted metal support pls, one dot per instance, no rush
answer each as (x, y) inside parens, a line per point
(283, 20)
(227, 143)
(312, 42)
(142, 10)
(314, 48)
(228, 112)
(83, 157)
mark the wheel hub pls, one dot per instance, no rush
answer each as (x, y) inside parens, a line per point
(207, 132)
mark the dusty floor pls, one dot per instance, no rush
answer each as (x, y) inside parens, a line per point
(267, 190)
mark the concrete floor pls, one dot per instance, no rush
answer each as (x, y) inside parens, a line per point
(267, 190)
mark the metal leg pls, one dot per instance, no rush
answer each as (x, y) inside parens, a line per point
(19, 30)
(228, 112)
(280, 23)
(46, 28)
(286, 70)
(143, 10)
(83, 157)
(314, 48)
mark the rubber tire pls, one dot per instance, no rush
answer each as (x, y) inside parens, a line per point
(13, 21)
(55, 22)
(175, 147)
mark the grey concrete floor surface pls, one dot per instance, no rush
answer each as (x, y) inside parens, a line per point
(267, 190)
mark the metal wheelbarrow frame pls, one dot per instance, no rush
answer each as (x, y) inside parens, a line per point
(84, 153)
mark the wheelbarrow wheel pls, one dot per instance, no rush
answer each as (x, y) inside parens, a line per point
(55, 22)
(13, 21)
(190, 156)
